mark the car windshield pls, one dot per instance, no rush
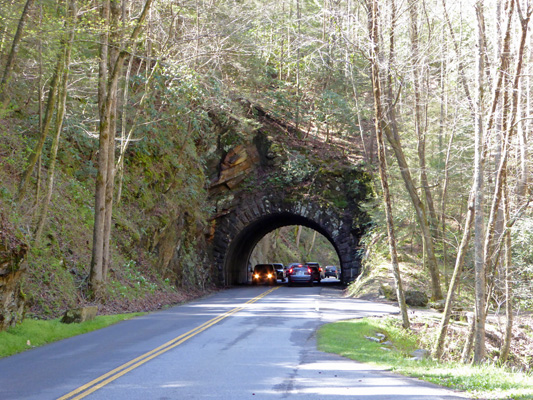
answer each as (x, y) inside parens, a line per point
(262, 268)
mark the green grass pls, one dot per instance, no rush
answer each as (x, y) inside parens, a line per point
(32, 333)
(485, 381)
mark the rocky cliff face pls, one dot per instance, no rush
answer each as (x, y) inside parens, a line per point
(12, 267)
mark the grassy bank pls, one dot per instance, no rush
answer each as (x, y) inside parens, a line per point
(486, 381)
(32, 333)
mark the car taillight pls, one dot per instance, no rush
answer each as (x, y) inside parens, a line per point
(290, 271)
(308, 271)
(320, 269)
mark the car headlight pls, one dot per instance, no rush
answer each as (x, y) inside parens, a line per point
(269, 276)
(256, 276)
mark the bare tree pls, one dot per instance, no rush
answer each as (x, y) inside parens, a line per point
(378, 125)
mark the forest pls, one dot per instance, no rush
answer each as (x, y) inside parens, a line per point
(113, 114)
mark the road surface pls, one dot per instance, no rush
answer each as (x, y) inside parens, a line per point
(241, 343)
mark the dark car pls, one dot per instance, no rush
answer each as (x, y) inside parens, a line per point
(318, 271)
(281, 271)
(300, 273)
(332, 271)
(264, 273)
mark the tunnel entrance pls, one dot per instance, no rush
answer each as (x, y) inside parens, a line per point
(238, 233)
(245, 242)
(295, 244)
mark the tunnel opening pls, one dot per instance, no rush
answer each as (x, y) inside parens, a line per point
(236, 266)
(296, 244)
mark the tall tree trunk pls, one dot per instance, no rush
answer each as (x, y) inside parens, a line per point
(116, 44)
(467, 349)
(104, 181)
(391, 132)
(489, 244)
(420, 130)
(96, 278)
(479, 265)
(72, 17)
(444, 192)
(41, 108)
(10, 63)
(298, 235)
(443, 208)
(49, 113)
(378, 124)
(312, 243)
(438, 348)
(504, 352)
(420, 211)
(476, 191)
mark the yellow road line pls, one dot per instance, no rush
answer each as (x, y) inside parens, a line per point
(116, 373)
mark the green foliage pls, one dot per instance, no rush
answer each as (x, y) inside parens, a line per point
(32, 333)
(486, 381)
(133, 283)
(295, 170)
(50, 286)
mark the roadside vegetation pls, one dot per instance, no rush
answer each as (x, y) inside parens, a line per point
(437, 93)
(361, 340)
(33, 333)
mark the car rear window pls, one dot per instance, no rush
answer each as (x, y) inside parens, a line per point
(299, 268)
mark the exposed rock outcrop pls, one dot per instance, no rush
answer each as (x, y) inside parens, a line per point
(12, 267)
(77, 315)
(416, 298)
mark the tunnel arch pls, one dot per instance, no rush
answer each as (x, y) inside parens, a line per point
(239, 231)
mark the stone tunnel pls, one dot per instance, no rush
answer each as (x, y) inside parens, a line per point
(261, 187)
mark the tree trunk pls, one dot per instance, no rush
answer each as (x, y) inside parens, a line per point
(419, 210)
(104, 178)
(96, 278)
(110, 183)
(467, 350)
(479, 351)
(10, 63)
(504, 352)
(298, 234)
(479, 264)
(50, 108)
(454, 282)
(312, 243)
(420, 130)
(444, 195)
(59, 119)
(378, 123)
(391, 131)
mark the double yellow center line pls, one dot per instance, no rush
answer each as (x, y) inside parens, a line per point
(103, 380)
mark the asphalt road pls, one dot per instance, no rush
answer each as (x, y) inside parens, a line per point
(241, 343)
